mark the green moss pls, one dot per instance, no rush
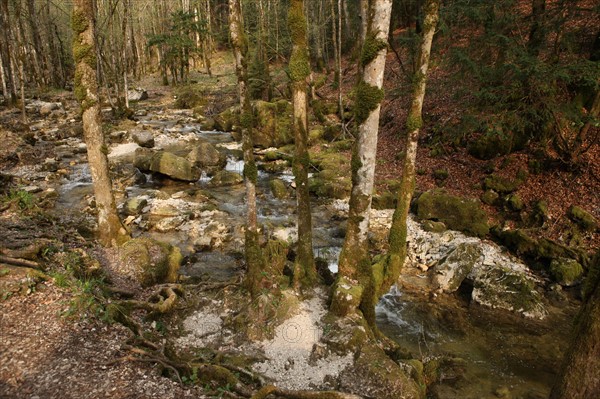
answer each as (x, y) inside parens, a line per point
(368, 99)
(414, 122)
(371, 47)
(299, 65)
(250, 171)
(247, 120)
(565, 271)
(490, 197)
(504, 185)
(457, 213)
(583, 218)
(82, 52)
(515, 202)
(278, 189)
(79, 21)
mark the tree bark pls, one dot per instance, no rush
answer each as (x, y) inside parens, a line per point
(5, 50)
(579, 377)
(355, 262)
(111, 231)
(398, 231)
(305, 274)
(254, 260)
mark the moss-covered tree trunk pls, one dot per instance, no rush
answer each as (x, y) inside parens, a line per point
(111, 231)
(304, 268)
(355, 262)
(398, 231)
(254, 260)
(580, 376)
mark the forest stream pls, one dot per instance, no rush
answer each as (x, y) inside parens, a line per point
(489, 353)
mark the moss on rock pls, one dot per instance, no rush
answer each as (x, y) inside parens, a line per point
(504, 185)
(583, 218)
(150, 262)
(279, 189)
(566, 271)
(456, 212)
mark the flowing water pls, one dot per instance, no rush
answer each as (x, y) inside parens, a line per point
(490, 357)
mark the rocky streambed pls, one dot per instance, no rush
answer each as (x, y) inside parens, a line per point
(494, 328)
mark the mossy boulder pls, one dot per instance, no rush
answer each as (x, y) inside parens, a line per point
(135, 205)
(273, 124)
(375, 375)
(166, 163)
(566, 271)
(505, 288)
(456, 212)
(514, 202)
(204, 155)
(226, 178)
(505, 185)
(450, 272)
(385, 200)
(228, 119)
(333, 179)
(434, 227)
(583, 218)
(490, 197)
(150, 262)
(346, 297)
(495, 143)
(539, 214)
(279, 189)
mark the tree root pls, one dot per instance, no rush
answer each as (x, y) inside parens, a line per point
(162, 301)
(264, 392)
(19, 262)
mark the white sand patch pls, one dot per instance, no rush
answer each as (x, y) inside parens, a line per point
(203, 327)
(288, 354)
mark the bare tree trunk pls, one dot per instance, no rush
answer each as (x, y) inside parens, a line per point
(355, 262)
(398, 231)
(126, 5)
(305, 273)
(578, 378)
(111, 231)
(5, 49)
(254, 260)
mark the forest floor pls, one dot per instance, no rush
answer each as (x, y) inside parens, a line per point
(44, 354)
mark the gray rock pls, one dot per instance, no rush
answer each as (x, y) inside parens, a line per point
(226, 178)
(135, 205)
(168, 164)
(45, 108)
(50, 165)
(144, 138)
(451, 272)
(204, 154)
(137, 94)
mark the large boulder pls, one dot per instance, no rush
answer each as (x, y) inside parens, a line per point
(205, 155)
(150, 262)
(450, 273)
(226, 178)
(273, 124)
(566, 271)
(137, 94)
(456, 212)
(166, 163)
(144, 138)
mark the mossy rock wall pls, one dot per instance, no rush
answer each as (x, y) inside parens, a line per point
(457, 213)
(150, 262)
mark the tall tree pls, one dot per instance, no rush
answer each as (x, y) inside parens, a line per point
(254, 260)
(398, 231)
(355, 262)
(111, 231)
(304, 268)
(578, 378)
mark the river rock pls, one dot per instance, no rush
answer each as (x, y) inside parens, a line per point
(457, 213)
(150, 262)
(135, 205)
(166, 163)
(566, 271)
(226, 178)
(204, 154)
(279, 189)
(144, 138)
(451, 271)
(123, 153)
(137, 94)
(208, 231)
(169, 224)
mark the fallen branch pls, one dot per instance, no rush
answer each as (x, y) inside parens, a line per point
(19, 262)
(166, 297)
